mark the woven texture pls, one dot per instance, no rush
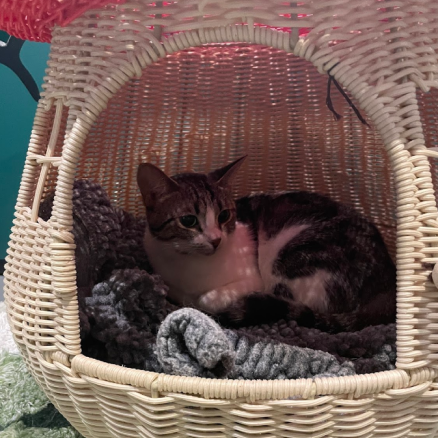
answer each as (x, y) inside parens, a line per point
(24, 409)
(34, 19)
(191, 85)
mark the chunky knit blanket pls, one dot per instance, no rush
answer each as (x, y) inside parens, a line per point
(127, 320)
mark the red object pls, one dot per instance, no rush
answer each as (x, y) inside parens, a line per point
(34, 19)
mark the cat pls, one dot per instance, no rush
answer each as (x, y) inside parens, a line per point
(265, 257)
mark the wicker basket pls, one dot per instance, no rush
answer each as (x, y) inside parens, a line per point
(191, 85)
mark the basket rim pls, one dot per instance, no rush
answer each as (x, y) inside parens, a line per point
(393, 382)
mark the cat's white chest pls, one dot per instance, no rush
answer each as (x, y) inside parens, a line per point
(209, 282)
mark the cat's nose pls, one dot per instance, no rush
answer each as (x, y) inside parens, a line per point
(216, 242)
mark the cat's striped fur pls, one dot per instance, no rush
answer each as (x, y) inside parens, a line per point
(268, 257)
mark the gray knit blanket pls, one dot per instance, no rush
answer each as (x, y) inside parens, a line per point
(190, 343)
(127, 320)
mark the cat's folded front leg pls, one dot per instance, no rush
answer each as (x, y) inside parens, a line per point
(224, 297)
(259, 308)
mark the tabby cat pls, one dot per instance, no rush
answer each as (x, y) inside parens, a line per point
(265, 257)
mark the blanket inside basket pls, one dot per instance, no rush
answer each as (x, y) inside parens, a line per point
(126, 319)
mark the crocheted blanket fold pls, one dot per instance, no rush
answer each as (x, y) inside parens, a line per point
(126, 319)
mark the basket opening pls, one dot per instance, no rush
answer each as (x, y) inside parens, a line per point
(202, 107)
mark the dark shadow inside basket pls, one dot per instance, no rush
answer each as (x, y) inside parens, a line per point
(197, 110)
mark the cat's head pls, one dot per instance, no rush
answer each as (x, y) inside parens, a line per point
(194, 213)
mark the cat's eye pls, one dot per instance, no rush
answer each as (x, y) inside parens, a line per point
(224, 216)
(188, 221)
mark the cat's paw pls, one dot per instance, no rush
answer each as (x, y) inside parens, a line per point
(221, 298)
(257, 309)
(217, 300)
(254, 309)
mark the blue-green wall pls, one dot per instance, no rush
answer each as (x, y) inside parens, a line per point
(17, 109)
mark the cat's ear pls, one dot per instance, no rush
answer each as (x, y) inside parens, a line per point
(225, 175)
(154, 183)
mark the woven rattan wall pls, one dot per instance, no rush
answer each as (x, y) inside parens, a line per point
(192, 84)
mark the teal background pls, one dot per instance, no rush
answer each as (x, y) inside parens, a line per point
(17, 110)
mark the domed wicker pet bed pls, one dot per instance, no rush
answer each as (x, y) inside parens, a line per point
(195, 84)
